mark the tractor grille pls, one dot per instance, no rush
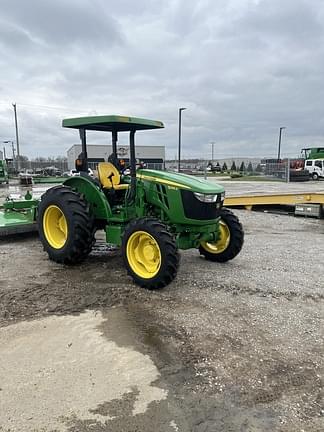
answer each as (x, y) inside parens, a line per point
(162, 194)
(195, 209)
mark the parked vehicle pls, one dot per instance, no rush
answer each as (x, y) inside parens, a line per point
(213, 168)
(74, 172)
(315, 167)
(150, 214)
(25, 178)
(313, 153)
(51, 171)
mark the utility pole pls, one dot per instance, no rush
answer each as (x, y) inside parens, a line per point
(13, 155)
(279, 144)
(17, 136)
(212, 146)
(4, 153)
(179, 144)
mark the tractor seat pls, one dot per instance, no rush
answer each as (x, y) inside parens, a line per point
(109, 176)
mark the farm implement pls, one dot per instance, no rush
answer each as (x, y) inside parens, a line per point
(18, 215)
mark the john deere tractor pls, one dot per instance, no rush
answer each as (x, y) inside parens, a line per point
(150, 214)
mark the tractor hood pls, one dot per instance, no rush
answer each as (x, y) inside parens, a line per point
(180, 181)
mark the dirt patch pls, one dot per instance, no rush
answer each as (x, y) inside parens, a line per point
(239, 346)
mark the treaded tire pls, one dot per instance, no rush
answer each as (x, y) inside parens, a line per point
(236, 239)
(80, 225)
(168, 249)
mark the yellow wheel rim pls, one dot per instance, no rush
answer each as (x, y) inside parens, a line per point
(223, 241)
(143, 254)
(55, 227)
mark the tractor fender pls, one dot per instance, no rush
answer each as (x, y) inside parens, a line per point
(92, 194)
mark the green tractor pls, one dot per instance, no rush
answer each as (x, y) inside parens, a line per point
(150, 214)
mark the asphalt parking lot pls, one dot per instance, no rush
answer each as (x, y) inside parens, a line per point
(226, 347)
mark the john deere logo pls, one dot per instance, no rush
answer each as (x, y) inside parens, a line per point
(122, 151)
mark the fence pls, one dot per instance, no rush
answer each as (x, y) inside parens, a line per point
(61, 165)
(277, 170)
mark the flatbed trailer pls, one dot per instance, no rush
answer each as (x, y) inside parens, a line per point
(275, 199)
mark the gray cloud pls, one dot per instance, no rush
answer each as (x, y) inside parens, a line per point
(241, 67)
(62, 23)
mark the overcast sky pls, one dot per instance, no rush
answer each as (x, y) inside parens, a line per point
(242, 68)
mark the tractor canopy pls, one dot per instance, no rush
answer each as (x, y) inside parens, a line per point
(112, 123)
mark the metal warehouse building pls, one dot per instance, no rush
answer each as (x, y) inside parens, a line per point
(152, 156)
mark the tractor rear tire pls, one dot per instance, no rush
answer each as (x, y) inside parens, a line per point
(150, 253)
(231, 239)
(66, 225)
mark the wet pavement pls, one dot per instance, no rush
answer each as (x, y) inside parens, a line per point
(234, 188)
(61, 371)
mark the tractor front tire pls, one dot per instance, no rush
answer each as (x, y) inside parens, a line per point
(150, 253)
(230, 242)
(66, 226)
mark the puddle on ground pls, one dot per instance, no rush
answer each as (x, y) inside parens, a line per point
(59, 370)
(191, 409)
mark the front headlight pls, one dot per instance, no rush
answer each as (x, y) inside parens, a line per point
(207, 198)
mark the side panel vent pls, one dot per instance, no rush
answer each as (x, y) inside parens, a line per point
(162, 194)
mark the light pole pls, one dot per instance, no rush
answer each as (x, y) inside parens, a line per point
(17, 136)
(179, 146)
(212, 146)
(279, 144)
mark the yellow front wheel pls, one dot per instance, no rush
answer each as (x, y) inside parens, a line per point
(222, 243)
(230, 240)
(150, 253)
(144, 254)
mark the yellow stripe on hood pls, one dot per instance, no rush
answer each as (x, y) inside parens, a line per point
(162, 181)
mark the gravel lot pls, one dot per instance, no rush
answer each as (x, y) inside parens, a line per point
(238, 347)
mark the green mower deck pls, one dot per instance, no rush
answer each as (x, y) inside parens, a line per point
(18, 216)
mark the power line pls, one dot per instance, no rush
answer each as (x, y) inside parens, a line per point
(46, 107)
(49, 107)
